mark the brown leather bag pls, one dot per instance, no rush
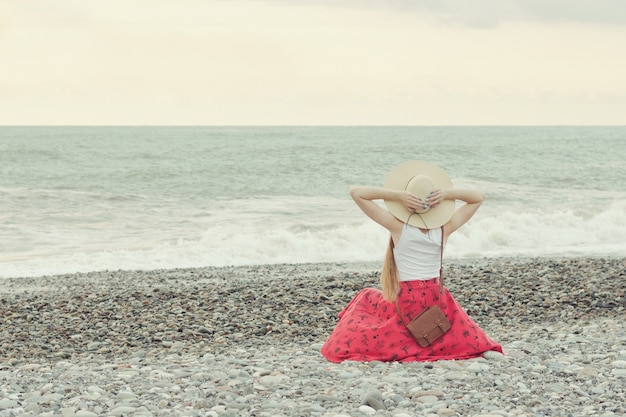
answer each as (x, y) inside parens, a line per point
(428, 326)
(431, 323)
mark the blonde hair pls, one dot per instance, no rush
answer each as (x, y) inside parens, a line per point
(389, 275)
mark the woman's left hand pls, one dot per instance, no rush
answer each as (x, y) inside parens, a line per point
(435, 197)
(410, 201)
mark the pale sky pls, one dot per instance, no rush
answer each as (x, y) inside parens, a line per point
(313, 62)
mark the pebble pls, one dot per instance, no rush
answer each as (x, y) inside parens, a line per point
(244, 341)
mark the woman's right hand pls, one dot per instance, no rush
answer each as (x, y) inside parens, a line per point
(412, 202)
(436, 196)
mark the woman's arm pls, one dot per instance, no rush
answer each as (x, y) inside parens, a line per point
(364, 196)
(472, 198)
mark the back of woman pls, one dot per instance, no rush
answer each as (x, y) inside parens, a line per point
(421, 215)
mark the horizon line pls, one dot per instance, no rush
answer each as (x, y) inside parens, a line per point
(314, 125)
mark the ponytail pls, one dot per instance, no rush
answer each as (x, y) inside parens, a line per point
(389, 275)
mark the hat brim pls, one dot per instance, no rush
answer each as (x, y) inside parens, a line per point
(399, 178)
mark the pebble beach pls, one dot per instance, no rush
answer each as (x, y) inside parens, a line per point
(244, 341)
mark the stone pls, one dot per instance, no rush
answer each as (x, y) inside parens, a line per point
(366, 409)
(427, 399)
(6, 403)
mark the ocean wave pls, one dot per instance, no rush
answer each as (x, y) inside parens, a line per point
(527, 233)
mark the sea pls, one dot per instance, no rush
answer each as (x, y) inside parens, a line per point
(80, 199)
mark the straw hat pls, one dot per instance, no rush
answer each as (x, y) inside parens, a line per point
(420, 178)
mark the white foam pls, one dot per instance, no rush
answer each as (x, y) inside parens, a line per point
(286, 231)
(540, 232)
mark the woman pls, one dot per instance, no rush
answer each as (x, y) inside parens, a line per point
(421, 216)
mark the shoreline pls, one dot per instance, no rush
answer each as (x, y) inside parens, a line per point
(502, 291)
(244, 341)
(356, 265)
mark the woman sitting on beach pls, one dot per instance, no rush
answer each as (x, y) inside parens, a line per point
(421, 216)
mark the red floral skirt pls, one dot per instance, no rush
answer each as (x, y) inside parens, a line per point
(370, 329)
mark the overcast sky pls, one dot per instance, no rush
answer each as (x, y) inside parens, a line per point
(312, 62)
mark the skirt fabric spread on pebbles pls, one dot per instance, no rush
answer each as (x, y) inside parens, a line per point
(370, 329)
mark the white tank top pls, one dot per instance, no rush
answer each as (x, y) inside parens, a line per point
(417, 254)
